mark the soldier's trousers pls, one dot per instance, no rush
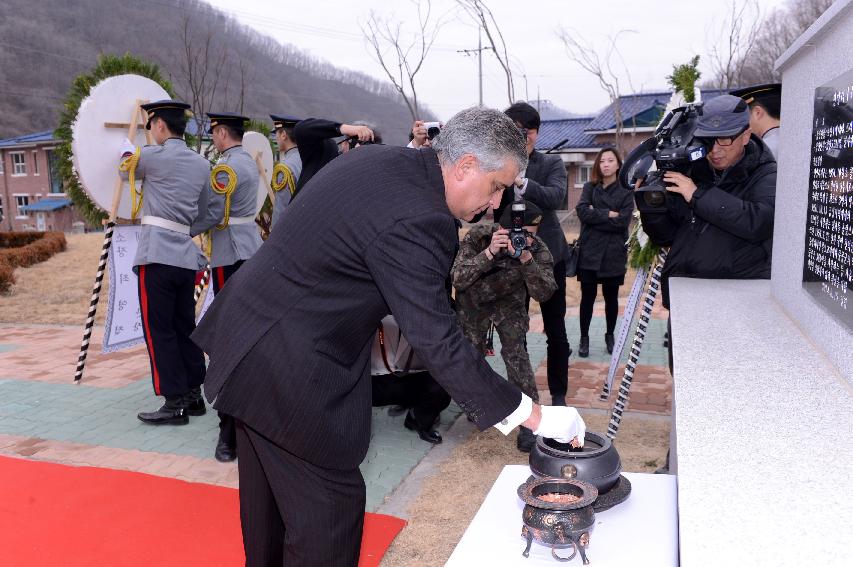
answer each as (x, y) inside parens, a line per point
(168, 318)
(512, 332)
(220, 275)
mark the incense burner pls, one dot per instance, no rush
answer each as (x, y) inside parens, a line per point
(558, 513)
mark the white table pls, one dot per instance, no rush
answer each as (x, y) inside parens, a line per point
(642, 531)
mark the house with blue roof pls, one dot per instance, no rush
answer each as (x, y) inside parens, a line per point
(578, 140)
(32, 196)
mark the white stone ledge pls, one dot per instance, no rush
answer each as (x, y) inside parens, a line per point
(763, 424)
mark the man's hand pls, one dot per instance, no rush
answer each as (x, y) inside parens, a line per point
(561, 423)
(681, 184)
(363, 133)
(420, 134)
(526, 257)
(612, 214)
(500, 241)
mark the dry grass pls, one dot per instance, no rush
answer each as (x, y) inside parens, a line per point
(450, 499)
(57, 291)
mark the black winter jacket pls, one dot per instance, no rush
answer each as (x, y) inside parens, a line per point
(726, 231)
(602, 239)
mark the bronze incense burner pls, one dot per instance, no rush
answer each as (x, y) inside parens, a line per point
(558, 513)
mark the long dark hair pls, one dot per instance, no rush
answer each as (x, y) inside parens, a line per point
(596, 165)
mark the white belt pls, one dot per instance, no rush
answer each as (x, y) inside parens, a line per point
(241, 220)
(167, 224)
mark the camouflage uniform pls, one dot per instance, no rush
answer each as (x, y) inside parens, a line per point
(496, 290)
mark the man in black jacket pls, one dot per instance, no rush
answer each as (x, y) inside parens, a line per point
(719, 221)
(545, 184)
(289, 337)
(316, 147)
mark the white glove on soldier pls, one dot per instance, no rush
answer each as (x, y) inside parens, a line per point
(561, 423)
(127, 148)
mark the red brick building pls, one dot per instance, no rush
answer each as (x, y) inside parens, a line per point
(32, 196)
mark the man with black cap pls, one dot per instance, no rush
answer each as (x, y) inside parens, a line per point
(765, 102)
(545, 184)
(174, 189)
(493, 281)
(289, 158)
(719, 221)
(230, 218)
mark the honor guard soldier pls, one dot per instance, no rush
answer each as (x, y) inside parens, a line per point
(174, 186)
(286, 173)
(765, 103)
(234, 236)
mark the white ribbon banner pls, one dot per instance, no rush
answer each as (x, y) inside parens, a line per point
(124, 321)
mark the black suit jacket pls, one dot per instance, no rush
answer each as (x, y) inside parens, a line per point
(289, 336)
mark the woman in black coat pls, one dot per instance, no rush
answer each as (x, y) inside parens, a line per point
(604, 210)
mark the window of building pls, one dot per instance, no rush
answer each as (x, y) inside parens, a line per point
(2, 160)
(53, 172)
(1, 208)
(21, 201)
(19, 164)
(584, 175)
(35, 163)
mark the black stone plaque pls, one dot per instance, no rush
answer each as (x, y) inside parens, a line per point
(828, 259)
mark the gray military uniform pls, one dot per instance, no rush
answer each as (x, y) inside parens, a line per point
(240, 239)
(293, 161)
(173, 190)
(771, 140)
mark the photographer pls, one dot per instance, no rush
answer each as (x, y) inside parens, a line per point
(719, 221)
(492, 281)
(316, 146)
(423, 133)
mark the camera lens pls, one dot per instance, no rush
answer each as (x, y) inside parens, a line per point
(654, 198)
(432, 132)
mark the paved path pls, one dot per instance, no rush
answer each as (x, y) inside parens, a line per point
(45, 416)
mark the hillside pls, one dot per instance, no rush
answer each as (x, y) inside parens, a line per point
(45, 44)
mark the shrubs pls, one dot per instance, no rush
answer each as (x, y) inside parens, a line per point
(23, 249)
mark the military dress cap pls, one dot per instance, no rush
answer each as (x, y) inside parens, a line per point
(282, 121)
(722, 116)
(232, 119)
(165, 108)
(532, 215)
(760, 93)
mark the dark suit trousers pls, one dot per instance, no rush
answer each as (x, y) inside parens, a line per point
(220, 275)
(294, 513)
(418, 391)
(168, 318)
(554, 321)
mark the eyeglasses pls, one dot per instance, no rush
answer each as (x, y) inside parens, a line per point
(722, 142)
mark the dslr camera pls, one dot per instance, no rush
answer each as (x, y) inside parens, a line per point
(517, 233)
(432, 128)
(673, 147)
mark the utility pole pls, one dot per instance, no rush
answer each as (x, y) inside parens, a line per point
(526, 96)
(479, 51)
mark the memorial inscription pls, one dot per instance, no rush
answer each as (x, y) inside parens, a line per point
(828, 258)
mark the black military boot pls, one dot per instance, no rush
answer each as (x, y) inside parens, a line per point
(525, 440)
(583, 347)
(608, 342)
(195, 402)
(173, 412)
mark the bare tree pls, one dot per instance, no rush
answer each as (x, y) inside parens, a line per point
(202, 70)
(407, 57)
(483, 17)
(585, 55)
(735, 40)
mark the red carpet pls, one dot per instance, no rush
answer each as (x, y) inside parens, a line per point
(56, 515)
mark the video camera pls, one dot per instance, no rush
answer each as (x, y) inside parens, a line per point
(672, 148)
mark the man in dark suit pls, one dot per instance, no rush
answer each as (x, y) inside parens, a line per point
(545, 184)
(289, 337)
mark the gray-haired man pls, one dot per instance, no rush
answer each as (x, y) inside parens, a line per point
(298, 379)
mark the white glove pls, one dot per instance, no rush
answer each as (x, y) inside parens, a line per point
(127, 148)
(561, 423)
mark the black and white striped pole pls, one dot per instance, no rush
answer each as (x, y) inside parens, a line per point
(205, 275)
(639, 336)
(93, 302)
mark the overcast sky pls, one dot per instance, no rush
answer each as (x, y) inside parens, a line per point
(652, 36)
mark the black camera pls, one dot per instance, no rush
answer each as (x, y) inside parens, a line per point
(672, 148)
(433, 129)
(517, 232)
